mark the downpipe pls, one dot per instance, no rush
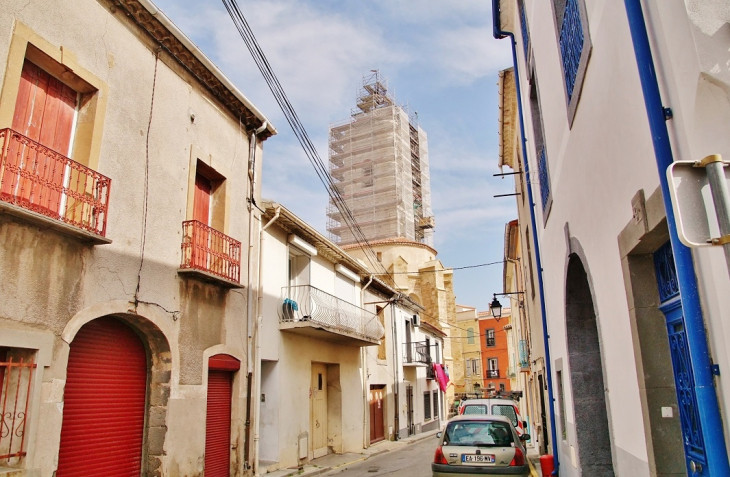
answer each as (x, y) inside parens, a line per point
(499, 34)
(707, 402)
(364, 358)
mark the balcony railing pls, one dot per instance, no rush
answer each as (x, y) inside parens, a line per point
(38, 179)
(418, 352)
(492, 373)
(307, 304)
(210, 251)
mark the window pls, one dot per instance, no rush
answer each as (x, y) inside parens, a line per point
(426, 406)
(298, 268)
(490, 337)
(470, 335)
(473, 367)
(524, 29)
(574, 41)
(435, 404)
(492, 368)
(528, 241)
(16, 376)
(538, 129)
(381, 347)
(501, 388)
(50, 135)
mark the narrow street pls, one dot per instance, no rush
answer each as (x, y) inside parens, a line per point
(410, 461)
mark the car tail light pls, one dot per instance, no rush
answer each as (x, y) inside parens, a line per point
(438, 457)
(519, 458)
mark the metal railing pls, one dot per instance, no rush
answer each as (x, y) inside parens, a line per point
(418, 352)
(542, 171)
(310, 304)
(41, 180)
(208, 250)
(492, 373)
(15, 385)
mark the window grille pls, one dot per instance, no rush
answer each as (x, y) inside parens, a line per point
(426, 406)
(571, 44)
(435, 404)
(16, 376)
(523, 27)
(544, 178)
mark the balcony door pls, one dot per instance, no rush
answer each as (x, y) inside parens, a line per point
(45, 112)
(201, 213)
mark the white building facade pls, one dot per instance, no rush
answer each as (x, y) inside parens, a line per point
(636, 336)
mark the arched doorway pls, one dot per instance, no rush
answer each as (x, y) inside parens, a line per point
(221, 369)
(104, 402)
(586, 374)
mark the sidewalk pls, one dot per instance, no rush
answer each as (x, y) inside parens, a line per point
(533, 458)
(331, 462)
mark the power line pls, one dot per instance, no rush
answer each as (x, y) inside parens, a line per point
(301, 134)
(446, 269)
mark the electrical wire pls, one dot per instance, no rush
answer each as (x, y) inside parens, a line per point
(301, 134)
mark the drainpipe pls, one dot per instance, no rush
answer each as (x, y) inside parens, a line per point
(701, 362)
(364, 359)
(251, 361)
(259, 319)
(500, 34)
(396, 384)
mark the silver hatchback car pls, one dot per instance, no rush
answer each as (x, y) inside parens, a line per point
(478, 445)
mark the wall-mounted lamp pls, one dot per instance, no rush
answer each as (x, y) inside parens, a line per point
(496, 307)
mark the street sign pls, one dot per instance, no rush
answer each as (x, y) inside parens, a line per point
(692, 202)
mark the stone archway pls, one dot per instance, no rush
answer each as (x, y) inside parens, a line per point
(159, 373)
(586, 374)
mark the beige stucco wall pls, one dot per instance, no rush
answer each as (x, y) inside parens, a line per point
(53, 284)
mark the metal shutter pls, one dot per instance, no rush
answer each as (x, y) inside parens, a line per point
(104, 402)
(218, 424)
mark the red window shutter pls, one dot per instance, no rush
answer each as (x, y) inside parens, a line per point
(104, 402)
(44, 111)
(218, 424)
(201, 202)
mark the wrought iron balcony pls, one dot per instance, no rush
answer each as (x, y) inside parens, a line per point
(418, 353)
(492, 373)
(43, 185)
(310, 311)
(210, 254)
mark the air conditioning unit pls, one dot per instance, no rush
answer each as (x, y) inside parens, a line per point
(416, 320)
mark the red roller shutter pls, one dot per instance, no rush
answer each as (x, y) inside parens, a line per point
(104, 402)
(218, 418)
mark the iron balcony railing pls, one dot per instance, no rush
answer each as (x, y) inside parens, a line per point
(492, 373)
(41, 180)
(305, 303)
(210, 251)
(419, 352)
(15, 386)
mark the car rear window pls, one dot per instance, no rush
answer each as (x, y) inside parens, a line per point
(475, 409)
(478, 434)
(505, 410)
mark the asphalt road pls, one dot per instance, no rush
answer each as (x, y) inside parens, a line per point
(411, 461)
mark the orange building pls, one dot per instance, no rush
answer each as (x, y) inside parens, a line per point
(495, 356)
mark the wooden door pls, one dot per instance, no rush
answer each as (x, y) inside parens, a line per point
(201, 213)
(45, 112)
(377, 413)
(318, 417)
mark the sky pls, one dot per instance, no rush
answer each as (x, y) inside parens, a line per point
(438, 57)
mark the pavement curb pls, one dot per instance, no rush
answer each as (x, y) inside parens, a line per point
(533, 471)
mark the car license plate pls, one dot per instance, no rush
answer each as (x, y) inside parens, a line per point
(484, 459)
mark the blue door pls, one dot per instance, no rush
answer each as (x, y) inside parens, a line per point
(684, 381)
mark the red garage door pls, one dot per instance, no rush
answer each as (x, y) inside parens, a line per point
(218, 419)
(104, 402)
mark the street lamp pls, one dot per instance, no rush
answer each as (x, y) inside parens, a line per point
(496, 306)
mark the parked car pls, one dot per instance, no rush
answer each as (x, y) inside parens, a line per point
(476, 445)
(497, 407)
